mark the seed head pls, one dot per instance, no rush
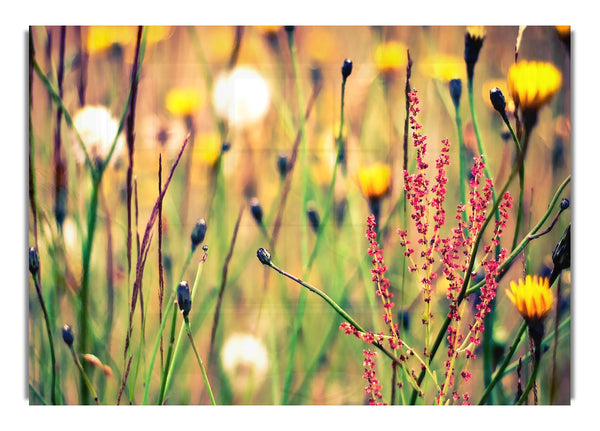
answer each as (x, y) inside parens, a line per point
(198, 233)
(313, 217)
(34, 261)
(67, 334)
(263, 256)
(347, 68)
(183, 298)
(564, 204)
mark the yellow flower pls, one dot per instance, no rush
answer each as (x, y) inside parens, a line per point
(103, 37)
(390, 57)
(532, 84)
(207, 148)
(184, 101)
(443, 67)
(476, 31)
(563, 30)
(533, 298)
(375, 180)
(321, 44)
(268, 29)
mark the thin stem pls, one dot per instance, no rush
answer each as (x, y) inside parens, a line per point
(204, 376)
(38, 289)
(84, 377)
(531, 382)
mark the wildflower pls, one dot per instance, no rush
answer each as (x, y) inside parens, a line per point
(533, 298)
(183, 298)
(97, 129)
(184, 101)
(374, 181)
(532, 85)
(443, 67)
(101, 38)
(198, 233)
(391, 57)
(67, 334)
(268, 29)
(473, 42)
(374, 387)
(245, 360)
(263, 256)
(346, 68)
(208, 148)
(241, 96)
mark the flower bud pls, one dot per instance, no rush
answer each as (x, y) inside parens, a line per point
(183, 298)
(282, 165)
(347, 68)
(313, 217)
(67, 334)
(256, 210)
(263, 256)
(316, 75)
(455, 91)
(34, 261)
(564, 204)
(198, 233)
(498, 101)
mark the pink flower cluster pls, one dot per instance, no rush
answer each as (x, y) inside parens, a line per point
(374, 387)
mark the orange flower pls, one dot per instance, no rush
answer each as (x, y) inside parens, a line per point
(390, 57)
(374, 180)
(533, 298)
(532, 84)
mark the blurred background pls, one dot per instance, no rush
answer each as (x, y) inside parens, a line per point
(233, 91)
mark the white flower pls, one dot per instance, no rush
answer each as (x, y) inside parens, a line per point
(241, 96)
(97, 129)
(245, 360)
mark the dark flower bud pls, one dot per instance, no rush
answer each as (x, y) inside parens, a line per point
(289, 28)
(205, 247)
(564, 204)
(313, 217)
(473, 44)
(455, 91)
(225, 146)
(183, 298)
(347, 68)
(256, 210)
(198, 233)
(34, 261)
(561, 256)
(67, 334)
(316, 75)
(282, 165)
(264, 256)
(498, 101)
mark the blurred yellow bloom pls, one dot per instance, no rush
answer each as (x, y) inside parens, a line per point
(532, 84)
(207, 148)
(533, 298)
(103, 37)
(184, 101)
(391, 56)
(444, 67)
(374, 180)
(268, 29)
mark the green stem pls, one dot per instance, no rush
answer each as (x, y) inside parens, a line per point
(84, 377)
(38, 289)
(204, 376)
(531, 382)
(500, 371)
